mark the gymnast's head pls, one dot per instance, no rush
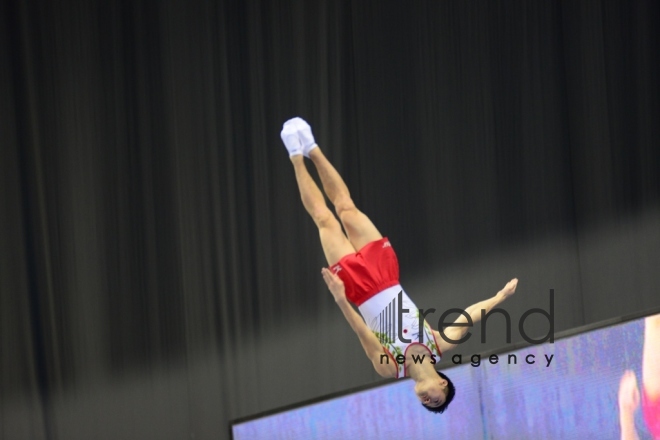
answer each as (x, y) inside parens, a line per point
(435, 394)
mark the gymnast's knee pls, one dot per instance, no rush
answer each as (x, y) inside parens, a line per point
(324, 219)
(345, 206)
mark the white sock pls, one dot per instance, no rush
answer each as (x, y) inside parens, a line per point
(290, 138)
(305, 135)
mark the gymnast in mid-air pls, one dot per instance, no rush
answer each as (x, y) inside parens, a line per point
(364, 270)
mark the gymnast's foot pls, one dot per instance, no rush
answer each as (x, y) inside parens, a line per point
(290, 137)
(305, 135)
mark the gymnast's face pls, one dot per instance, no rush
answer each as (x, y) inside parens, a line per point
(432, 392)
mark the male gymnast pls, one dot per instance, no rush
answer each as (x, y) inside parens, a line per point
(364, 270)
(629, 392)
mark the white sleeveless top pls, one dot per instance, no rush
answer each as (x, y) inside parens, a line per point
(381, 313)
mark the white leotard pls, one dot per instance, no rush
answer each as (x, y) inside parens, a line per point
(381, 313)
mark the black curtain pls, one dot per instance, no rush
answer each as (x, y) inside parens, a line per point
(159, 275)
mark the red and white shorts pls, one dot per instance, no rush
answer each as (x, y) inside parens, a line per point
(372, 269)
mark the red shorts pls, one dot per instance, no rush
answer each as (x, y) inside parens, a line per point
(651, 409)
(372, 269)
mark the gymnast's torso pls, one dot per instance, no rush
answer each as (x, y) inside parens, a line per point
(394, 319)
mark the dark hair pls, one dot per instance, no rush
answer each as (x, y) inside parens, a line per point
(451, 392)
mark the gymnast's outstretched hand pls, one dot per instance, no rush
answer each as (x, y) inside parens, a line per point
(508, 290)
(628, 392)
(335, 284)
(628, 403)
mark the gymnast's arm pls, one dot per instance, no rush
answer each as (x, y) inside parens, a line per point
(458, 329)
(370, 343)
(628, 404)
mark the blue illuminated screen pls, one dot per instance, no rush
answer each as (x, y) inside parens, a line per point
(592, 385)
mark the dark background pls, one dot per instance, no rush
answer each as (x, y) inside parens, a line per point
(159, 276)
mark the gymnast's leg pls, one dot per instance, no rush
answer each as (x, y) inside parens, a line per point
(358, 227)
(334, 242)
(651, 359)
(651, 375)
